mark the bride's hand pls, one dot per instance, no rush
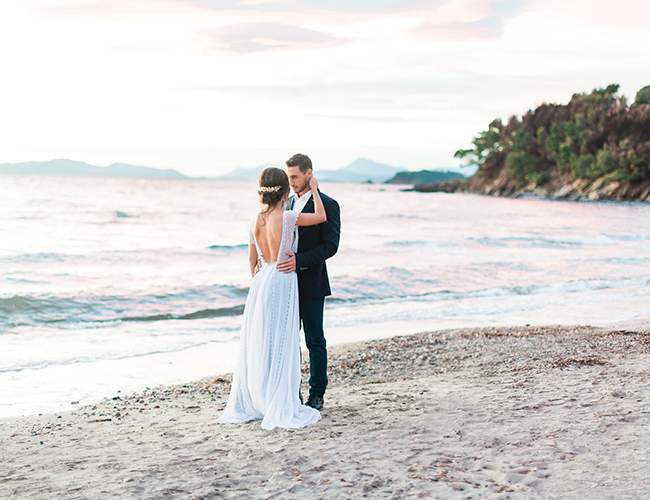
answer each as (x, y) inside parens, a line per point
(313, 183)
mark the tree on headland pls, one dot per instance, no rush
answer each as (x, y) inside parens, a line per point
(643, 96)
(595, 135)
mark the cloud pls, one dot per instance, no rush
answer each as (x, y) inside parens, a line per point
(360, 6)
(488, 26)
(103, 8)
(256, 37)
(625, 14)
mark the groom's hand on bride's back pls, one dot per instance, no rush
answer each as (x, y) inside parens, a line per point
(288, 265)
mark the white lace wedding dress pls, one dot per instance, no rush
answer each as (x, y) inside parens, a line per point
(267, 378)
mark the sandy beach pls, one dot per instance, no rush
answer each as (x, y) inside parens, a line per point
(551, 412)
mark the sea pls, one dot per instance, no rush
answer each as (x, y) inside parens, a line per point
(109, 286)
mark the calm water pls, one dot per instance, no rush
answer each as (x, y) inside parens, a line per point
(103, 281)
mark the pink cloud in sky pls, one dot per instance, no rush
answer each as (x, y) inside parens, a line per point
(103, 8)
(355, 6)
(472, 20)
(621, 14)
(444, 19)
(256, 37)
(246, 26)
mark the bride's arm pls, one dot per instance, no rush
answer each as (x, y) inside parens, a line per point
(319, 214)
(252, 259)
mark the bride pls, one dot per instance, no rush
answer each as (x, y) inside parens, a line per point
(266, 384)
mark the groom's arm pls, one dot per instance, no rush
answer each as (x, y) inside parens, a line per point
(331, 233)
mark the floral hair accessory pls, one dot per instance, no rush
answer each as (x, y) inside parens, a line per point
(271, 189)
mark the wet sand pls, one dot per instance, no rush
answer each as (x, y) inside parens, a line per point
(550, 412)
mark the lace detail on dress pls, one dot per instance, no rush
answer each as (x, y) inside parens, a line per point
(289, 234)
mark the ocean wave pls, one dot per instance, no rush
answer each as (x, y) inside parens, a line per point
(390, 285)
(202, 314)
(567, 287)
(31, 258)
(410, 217)
(112, 257)
(123, 215)
(96, 311)
(43, 308)
(390, 282)
(228, 247)
(546, 241)
(630, 237)
(418, 243)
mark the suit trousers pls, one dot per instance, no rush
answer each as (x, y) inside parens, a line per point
(311, 317)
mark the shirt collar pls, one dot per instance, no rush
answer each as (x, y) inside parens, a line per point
(301, 201)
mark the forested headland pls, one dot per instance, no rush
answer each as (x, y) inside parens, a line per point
(595, 147)
(424, 177)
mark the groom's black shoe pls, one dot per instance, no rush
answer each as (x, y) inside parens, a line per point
(315, 402)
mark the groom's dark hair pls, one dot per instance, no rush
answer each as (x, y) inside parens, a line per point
(301, 161)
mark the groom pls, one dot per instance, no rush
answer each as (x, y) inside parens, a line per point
(315, 245)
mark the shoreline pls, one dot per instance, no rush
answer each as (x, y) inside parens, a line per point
(54, 388)
(527, 412)
(450, 187)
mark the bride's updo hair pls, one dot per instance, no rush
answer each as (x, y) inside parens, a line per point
(274, 185)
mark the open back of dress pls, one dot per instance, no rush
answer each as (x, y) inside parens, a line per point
(266, 382)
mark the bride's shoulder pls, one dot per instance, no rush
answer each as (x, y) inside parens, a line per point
(260, 220)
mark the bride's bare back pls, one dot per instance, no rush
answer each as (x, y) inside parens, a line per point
(269, 235)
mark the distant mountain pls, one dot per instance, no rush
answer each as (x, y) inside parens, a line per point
(248, 174)
(424, 177)
(77, 168)
(360, 170)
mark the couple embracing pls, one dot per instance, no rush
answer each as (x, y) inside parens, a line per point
(290, 239)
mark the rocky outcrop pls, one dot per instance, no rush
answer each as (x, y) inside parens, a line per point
(559, 186)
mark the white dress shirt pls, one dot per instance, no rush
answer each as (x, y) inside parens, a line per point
(300, 202)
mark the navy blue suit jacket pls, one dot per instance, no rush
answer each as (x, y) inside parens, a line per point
(315, 245)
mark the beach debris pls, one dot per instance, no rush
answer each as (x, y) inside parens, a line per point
(576, 362)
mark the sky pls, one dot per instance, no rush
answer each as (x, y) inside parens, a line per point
(206, 86)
